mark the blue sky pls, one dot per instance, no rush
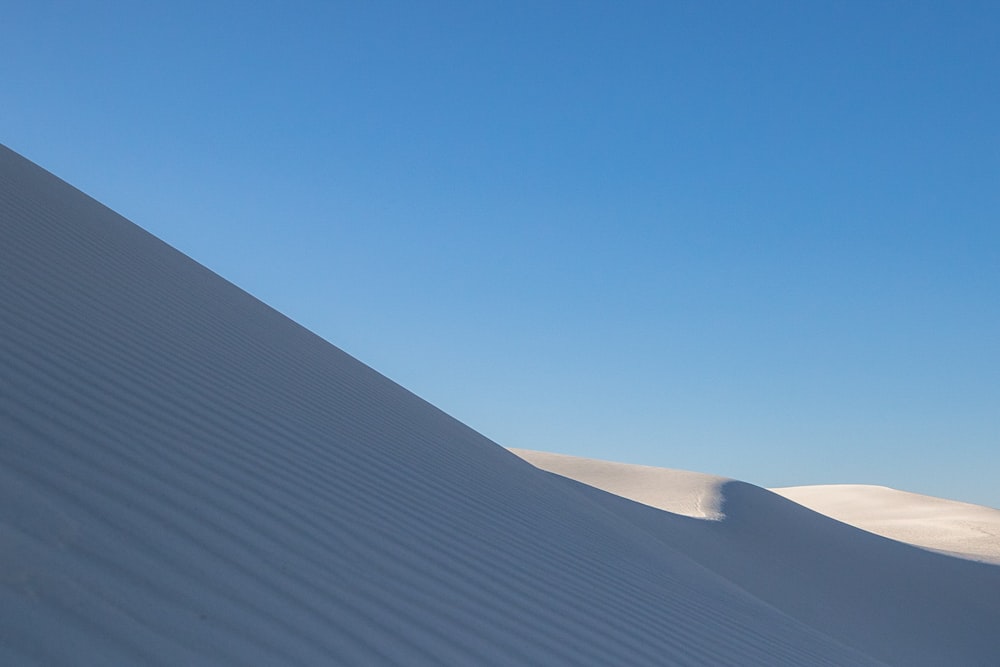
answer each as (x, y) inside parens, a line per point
(757, 239)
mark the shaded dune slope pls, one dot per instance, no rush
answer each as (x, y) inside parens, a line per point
(896, 602)
(188, 477)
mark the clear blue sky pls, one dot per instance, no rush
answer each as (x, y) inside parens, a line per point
(756, 239)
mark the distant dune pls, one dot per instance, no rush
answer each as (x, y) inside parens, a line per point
(692, 494)
(948, 526)
(961, 529)
(187, 477)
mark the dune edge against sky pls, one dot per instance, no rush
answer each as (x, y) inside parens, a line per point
(194, 477)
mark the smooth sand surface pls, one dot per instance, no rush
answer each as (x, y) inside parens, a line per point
(187, 477)
(961, 529)
(692, 494)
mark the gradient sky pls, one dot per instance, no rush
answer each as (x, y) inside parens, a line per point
(756, 239)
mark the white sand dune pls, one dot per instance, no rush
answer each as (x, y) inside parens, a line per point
(904, 605)
(189, 478)
(692, 494)
(960, 529)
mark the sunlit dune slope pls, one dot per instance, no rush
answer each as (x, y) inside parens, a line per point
(692, 494)
(962, 529)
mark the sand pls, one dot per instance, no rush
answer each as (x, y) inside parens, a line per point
(189, 477)
(957, 528)
(902, 604)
